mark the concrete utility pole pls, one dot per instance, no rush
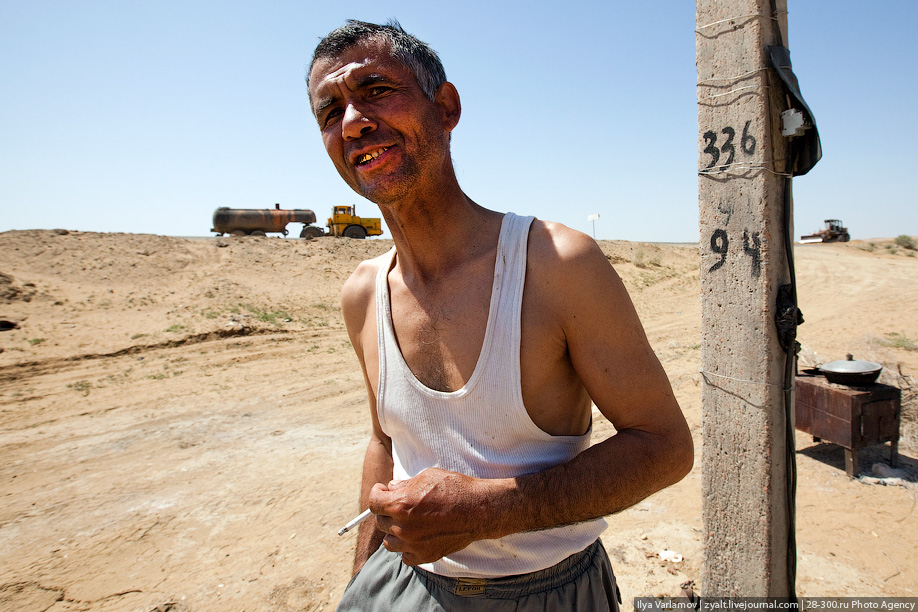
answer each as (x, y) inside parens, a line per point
(742, 157)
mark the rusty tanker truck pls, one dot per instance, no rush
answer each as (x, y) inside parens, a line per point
(344, 222)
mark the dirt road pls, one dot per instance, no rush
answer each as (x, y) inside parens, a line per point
(182, 422)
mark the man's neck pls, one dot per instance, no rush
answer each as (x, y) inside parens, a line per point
(436, 235)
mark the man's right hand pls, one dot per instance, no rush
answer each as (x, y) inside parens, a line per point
(432, 515)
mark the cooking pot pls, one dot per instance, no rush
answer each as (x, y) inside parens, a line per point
(851, 371)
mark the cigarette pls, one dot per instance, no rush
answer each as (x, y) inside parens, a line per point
(355, 521)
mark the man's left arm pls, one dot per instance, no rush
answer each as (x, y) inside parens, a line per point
(439, 512)
(610, 353)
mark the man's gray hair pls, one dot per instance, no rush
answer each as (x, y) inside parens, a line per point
(413, 53)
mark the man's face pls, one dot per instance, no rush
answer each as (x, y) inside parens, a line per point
(380, 130)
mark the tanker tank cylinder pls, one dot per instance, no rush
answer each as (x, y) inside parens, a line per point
(246, 221)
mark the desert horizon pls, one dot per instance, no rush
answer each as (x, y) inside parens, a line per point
(183, 422)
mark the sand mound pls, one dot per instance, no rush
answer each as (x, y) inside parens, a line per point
(183, 421)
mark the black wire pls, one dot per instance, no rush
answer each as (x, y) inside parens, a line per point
(776, 26)
(789, 359)
(789, 380)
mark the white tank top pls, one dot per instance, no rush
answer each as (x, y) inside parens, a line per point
(483, 429)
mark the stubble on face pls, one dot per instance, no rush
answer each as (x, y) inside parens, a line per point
(364, 99)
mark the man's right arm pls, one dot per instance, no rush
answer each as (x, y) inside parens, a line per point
(358, 308)
(377, 467)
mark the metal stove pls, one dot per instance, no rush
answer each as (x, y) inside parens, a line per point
(852, 417)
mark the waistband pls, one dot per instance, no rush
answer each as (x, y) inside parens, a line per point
(513, 587)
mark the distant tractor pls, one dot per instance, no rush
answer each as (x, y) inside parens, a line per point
(259, 222)
(345, 222)
(834, 231)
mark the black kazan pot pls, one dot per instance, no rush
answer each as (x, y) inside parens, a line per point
(851, 371)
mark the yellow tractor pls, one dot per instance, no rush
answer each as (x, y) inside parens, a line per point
(345, 222)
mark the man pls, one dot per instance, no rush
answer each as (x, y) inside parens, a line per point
(483, 338)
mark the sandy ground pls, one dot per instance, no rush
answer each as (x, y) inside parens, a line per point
(182, 423)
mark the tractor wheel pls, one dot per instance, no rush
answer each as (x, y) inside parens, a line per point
(355, 231)
(257, 233)
(311, 231)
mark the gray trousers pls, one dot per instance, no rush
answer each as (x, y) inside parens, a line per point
(581, 583)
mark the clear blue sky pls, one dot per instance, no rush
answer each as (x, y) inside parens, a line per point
(143, 117)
